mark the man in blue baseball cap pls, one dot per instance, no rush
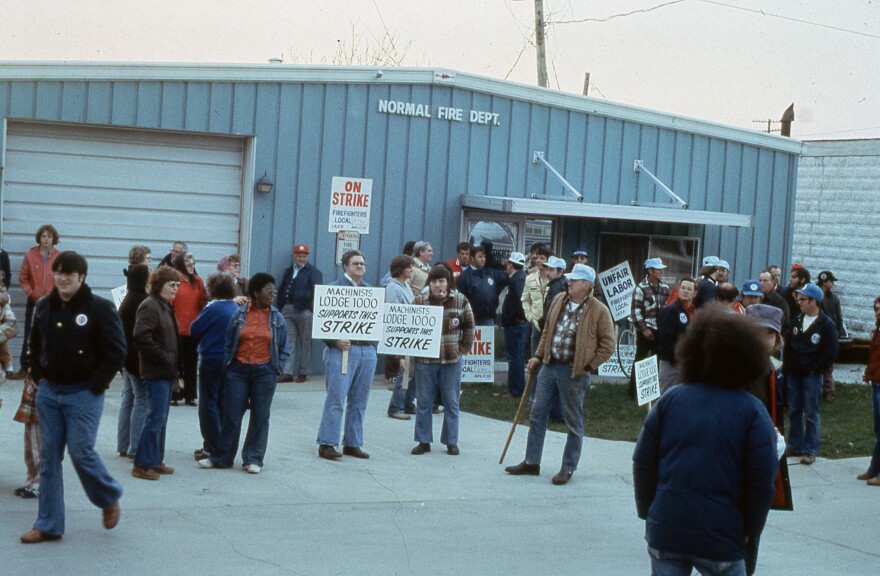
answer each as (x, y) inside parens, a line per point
(578, 336)
(810, 348)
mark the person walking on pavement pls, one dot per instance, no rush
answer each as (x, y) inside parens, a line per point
(77, 346)
(295, 300)
(578, 336)
(810, 349)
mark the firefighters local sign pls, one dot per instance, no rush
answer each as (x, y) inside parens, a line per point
(350, 200)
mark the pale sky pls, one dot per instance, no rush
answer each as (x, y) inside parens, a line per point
(729, 61)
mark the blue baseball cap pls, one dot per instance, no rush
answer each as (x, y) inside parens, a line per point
(811, 291)
(582, 272)
(580, 252)
(655, 263)
(710, 261)
(752, 288)
(723, 264)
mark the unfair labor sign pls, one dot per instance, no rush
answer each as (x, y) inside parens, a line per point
(411, 330)
(479, 365)
(350, 200)
(647, 380)
(348, 313)
(617, 284)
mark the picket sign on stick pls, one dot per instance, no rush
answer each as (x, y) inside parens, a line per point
(647, 380)
(348, 313)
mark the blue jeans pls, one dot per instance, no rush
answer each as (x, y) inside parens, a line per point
(555, 382)
(675, 564)
(803, 405)
(69, 415)
(874, 467)
(353, 389)
(243, 384)
(133, 410)
(210, 383)
(151, 446)
(402, 399)
(516, 339)
(431, 378)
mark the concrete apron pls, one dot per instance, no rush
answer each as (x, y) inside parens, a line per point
(396, 513)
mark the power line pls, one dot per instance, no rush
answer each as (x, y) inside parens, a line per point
(717, 3)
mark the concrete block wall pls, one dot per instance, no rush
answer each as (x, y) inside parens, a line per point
(837, 223)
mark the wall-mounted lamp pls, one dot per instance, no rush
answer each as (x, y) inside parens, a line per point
(264, 185)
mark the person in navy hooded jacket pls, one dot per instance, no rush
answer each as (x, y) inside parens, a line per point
(706, 458)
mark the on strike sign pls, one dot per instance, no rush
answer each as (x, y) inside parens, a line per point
(618, 284)
(348, 313)
(479, 365)
(410, 330)
(350, 200)
(647, 380)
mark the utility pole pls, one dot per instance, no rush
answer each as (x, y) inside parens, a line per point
(539, 42)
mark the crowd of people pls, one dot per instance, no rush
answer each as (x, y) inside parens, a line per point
(225, 344)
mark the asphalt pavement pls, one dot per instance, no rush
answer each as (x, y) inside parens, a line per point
(397, 513)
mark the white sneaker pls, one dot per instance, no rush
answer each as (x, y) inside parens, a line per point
(252, 469)
(206, 463)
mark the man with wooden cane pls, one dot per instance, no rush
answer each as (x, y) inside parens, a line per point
(578, 336)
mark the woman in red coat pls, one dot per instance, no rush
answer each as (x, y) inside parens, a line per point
(872, 377)
(36, 279)
(190, 300)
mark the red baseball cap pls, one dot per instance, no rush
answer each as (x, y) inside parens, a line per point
(300, 249)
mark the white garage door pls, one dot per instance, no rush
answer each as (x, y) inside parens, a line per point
(107, 189)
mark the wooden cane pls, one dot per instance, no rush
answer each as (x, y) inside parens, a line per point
(522, 401)
(345, 361)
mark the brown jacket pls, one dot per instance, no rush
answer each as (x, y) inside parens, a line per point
(157, 340)
(595, 338)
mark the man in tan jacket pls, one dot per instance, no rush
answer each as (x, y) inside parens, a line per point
(578, 336)
(533, 293)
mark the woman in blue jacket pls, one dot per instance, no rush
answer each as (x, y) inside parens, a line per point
(706, 458)
(256, 351)
(208, 331)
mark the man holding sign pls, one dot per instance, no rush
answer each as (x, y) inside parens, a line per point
(349, 385)
(578, 336)
(443, 373)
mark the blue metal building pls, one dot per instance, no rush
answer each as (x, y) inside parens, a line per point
(115, 154)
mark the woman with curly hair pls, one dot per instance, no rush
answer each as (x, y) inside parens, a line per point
(157, 339)
(706, 457)
(191, 298)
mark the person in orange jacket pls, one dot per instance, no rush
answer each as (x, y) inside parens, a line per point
(36, 280)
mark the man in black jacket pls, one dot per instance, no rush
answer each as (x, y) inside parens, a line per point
(810, 349)
(76, 348)
(516, 327)
(295, 300)
(831, 306)
(672, 323)
(482, 287)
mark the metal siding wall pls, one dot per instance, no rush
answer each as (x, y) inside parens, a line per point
(173, 105)
(612, 156)
(519, 156)
(498, 176)
(149, 98)
(308, 133)
(289, 225)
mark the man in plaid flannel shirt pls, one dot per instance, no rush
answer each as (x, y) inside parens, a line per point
(578, 336)
(647, 300)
